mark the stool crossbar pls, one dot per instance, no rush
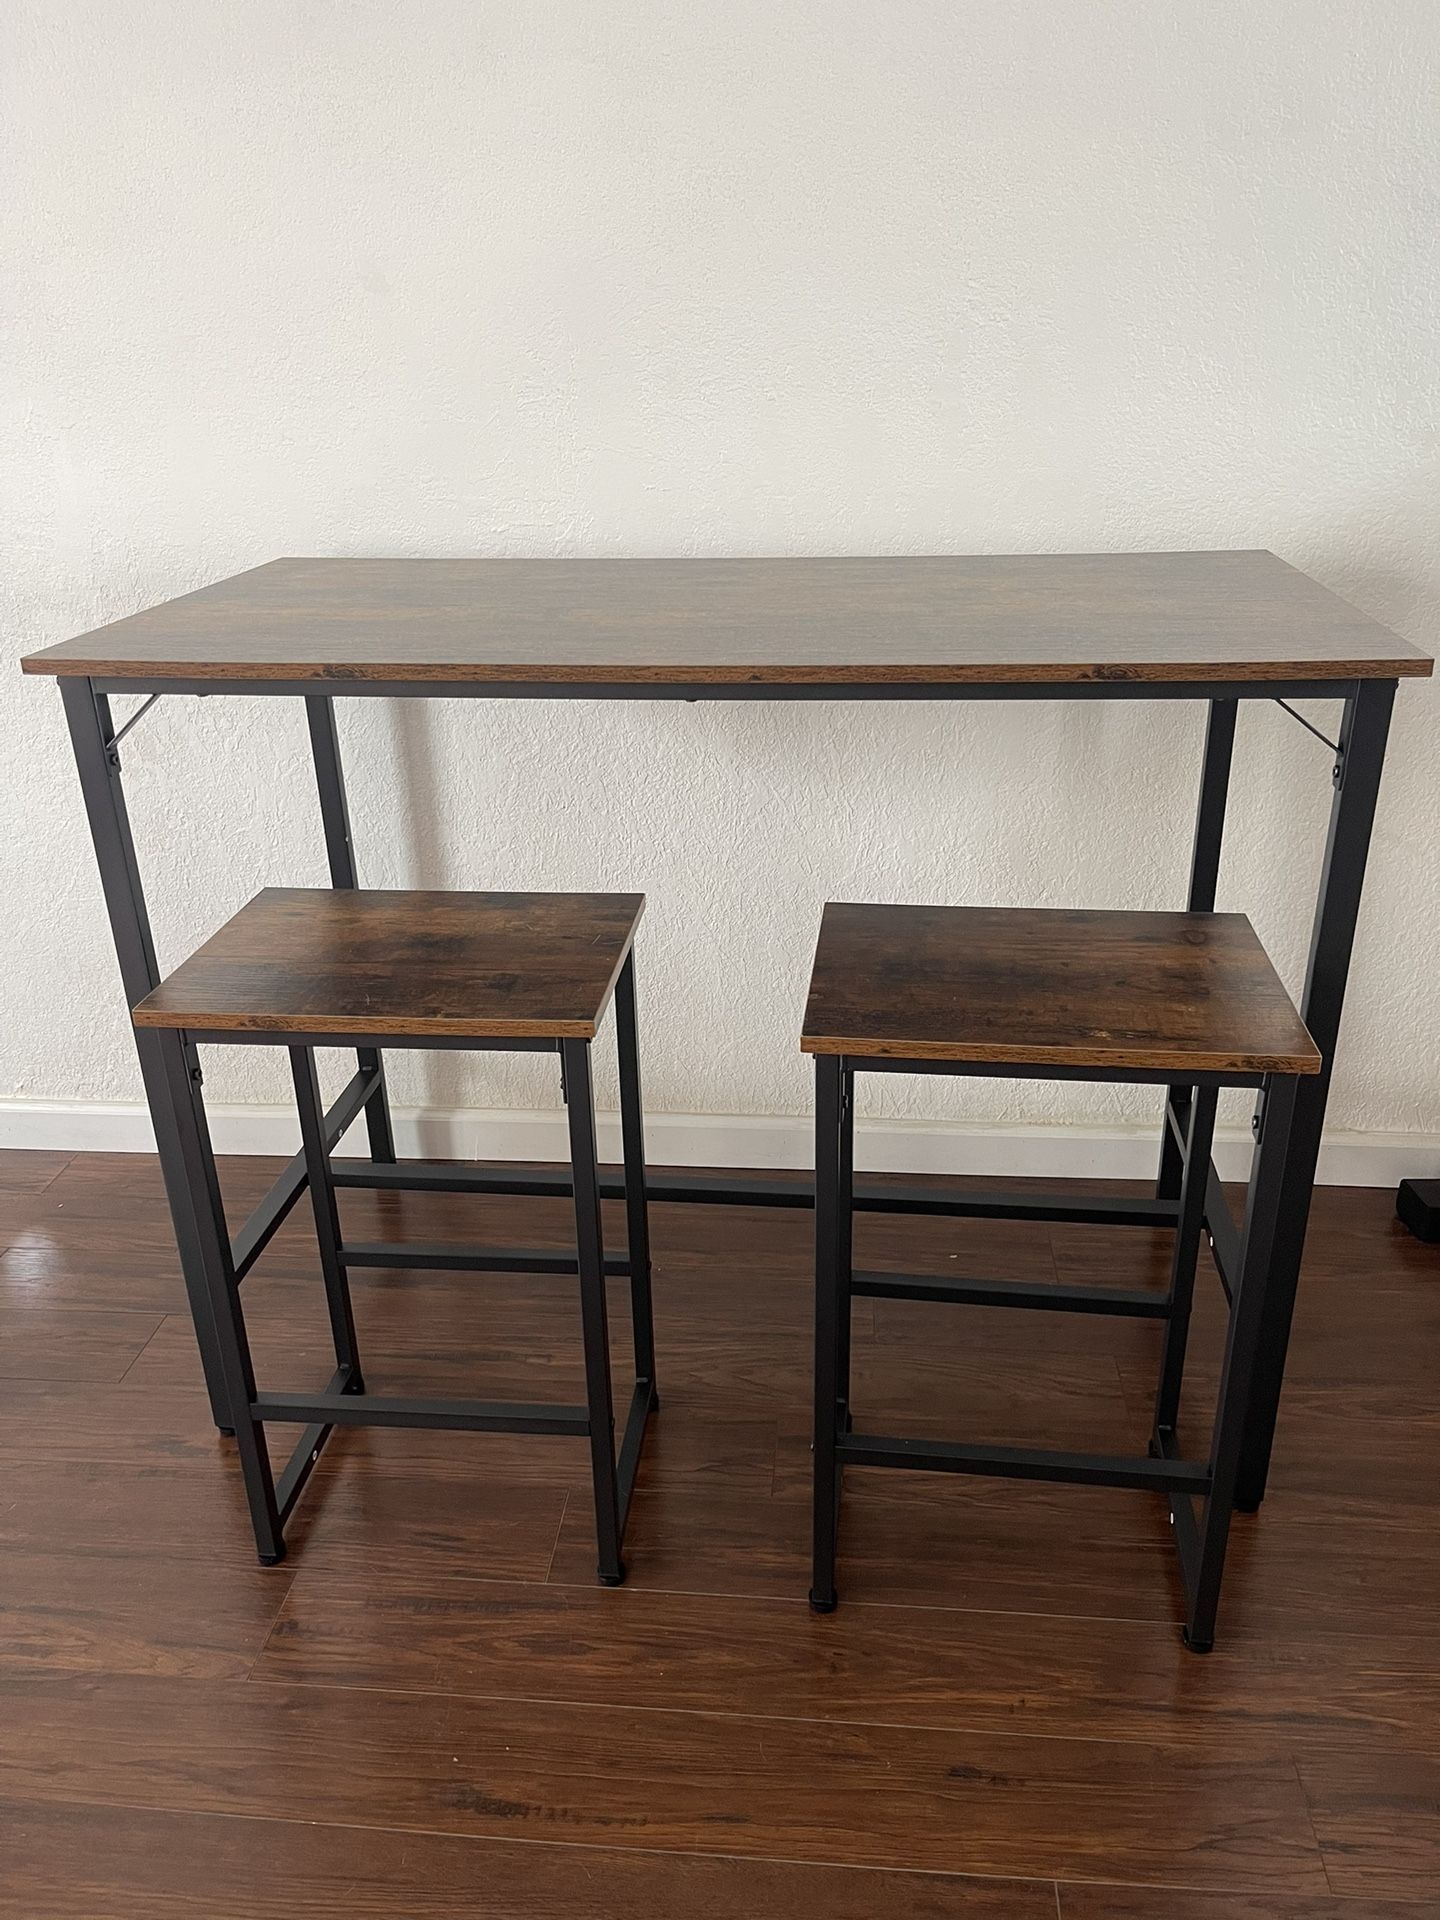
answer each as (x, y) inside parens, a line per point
(508, 972)
(1184, 1000)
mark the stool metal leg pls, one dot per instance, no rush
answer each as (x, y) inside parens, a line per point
(590, 1251)
(213, 1246)
(829, 1127)
(327, 1218)
(1199, 1134)
(1264, 1221)
(632, 1130)
(844, 1244)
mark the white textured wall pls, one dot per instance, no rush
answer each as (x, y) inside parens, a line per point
(453, 277)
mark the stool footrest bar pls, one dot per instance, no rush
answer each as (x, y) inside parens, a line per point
(448, 1176)
(458, 1258)
(1023, 1463)
(719, 1188)
(1006, 1293)
(1074, 1209)
(384, 1410)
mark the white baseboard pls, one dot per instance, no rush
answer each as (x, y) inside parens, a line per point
(1347, 1159)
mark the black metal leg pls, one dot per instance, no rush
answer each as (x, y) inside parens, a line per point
(335, 814)
(1264, 1225)
(590, 1250)
(98, 763)
(829, 1090)
(844, 1242)
(1362, 741)
(182, 1072)
(632, 1130)
(1204, 877)
(1198, 1137)
(327, 1218)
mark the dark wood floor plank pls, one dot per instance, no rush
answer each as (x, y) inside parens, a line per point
(92, 1343)
(915, 1326)
(156, 1610)
(34, 1275)
(467, 1334)
(108, 1245)
(121, 1863)
(30, 1169)
(127, 1187)
(696, 1442)
(1041, 1399)
(355, 1517)
(1021, 1550)
(1153, 1903)
(57, 1421)
(443, 1585)
(1376, 1813)
(53, 1422)
(673, 1782)
(489, 1528)
(920, 1666)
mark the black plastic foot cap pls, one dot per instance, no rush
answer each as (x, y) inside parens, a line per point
(614, 1579)
(823, 1603)
(1197, 1646)
(272, 1559)
(226, 1433)
(1246, 1506)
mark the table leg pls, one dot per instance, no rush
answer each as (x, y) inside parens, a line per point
(335, 813)
(97, 760)
(1352, 813)
(1204, 875)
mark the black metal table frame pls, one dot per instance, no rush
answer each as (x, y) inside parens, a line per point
(1358, 760)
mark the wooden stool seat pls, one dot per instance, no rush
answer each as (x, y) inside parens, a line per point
(421, 966)
(1173, 993)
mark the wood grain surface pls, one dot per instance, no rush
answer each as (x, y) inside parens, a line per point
(1051, 987)
(405, 965)
(941, 621)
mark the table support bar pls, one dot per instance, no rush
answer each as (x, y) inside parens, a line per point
(1024, 1463)
(717, 1187)
(1127, 1302)
(387, 1410)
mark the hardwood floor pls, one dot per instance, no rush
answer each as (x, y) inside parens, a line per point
(431, 1709)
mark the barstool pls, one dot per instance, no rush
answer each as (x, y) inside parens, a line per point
(508, 972)
(1187, 999)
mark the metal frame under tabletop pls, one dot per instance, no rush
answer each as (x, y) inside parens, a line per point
(1354, 762)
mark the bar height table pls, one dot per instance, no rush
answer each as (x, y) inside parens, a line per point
(1213, 627)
